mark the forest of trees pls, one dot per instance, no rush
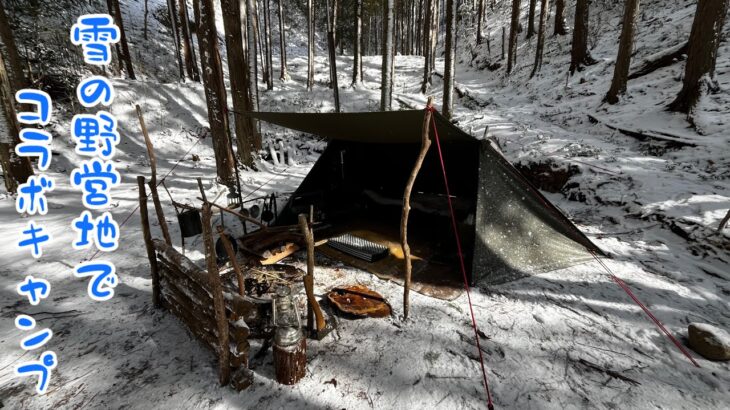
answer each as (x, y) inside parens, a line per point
(361, 27)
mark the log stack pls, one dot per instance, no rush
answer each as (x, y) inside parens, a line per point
(187, 293)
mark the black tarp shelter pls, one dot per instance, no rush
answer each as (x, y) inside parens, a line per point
(508, 228)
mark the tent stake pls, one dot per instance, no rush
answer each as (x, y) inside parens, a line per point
(425, 144)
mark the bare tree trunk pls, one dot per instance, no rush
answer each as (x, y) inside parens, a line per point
(579, 54)
(237, 74)
(560, 29)
(269, 51)
(357, 45)
(117, 12)
(188, 52)
(16, 170)
(310, 45)
(531, 19)
(503, 41)
(448, 108)
(250, 47)
(333, 57)
(427, 44)
(512, 50)
(260, 42)
(540, 37)
(283, 74)
(215, 93)
(704, 40)
(625, 47)
(146, 12)
(386, 82)
(480, 18)
(17, 77)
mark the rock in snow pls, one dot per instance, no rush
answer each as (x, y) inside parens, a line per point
(710, 341)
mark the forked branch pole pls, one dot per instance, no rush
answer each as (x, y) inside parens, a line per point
(153, 178)
(148, 242)
(425, 145)
(218, 302)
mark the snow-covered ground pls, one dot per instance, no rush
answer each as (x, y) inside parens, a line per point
(654, 209)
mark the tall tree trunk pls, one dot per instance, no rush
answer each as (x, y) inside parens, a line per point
(259, 34)
(386, 81)
(215, 93)
(16, 170)
(625, 47)
(531, 19)
(579, 54)
(427, 45)
(188, 52)
(237, 74)
(146, 12)
(357, 45)
(448, 108)
(512, 50)
(175, 36)
(17, 77)
(310, 45)
(540, 37)
(117, 12)
(480, 19)
(704, 40)
(250, 47)
(560, 29)
(283, 74)
(269, 51)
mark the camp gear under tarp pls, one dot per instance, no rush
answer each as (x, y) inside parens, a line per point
(508, 229)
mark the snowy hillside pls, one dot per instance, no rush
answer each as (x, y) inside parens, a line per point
(552, 341)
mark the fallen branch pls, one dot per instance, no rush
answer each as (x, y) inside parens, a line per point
(644, 135)
(660, 60)
(609, 372)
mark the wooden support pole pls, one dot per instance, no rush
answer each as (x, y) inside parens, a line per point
(425, 145)
(238, 214)
(148, 242)
(724, 221)
(232, 257)
(153, 178)
(312, 305)
(218, 302)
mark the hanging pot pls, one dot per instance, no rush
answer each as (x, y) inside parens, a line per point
(189, 222)
(254, 211)
(220, 249)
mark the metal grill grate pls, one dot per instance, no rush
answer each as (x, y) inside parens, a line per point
(358, 247)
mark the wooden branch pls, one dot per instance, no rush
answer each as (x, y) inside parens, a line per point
(425, 144)
(218, 302)
(644, 135)
(240, 215)
(232, 257)
(609, 372)
(724, 221)
(202, 191)
(148, 242)
(663, 59)
(153, 178)
(160, 213)
(309, 278)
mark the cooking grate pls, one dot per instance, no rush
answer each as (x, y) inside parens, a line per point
(358, 247)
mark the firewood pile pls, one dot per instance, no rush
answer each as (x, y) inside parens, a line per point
(186, 293)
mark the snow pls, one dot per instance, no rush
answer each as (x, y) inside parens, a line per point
(638, 198)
